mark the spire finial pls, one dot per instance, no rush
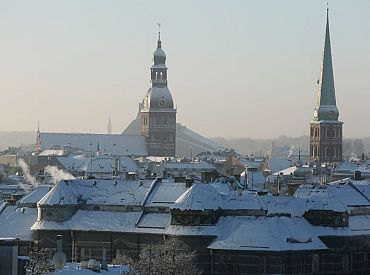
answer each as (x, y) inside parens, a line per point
(159, 35)
(327, 9)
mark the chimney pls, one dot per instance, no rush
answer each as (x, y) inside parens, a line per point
(59, 258)
(357, 175)
(189, 182)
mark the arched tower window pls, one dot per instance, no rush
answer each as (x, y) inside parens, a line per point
(334, 151)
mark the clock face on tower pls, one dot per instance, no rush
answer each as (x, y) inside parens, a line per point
(162, 102)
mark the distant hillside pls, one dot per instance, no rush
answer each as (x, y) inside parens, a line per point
(16, 138)
(262, 146)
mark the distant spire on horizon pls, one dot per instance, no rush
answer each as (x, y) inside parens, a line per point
(109, 129)
(38, 139)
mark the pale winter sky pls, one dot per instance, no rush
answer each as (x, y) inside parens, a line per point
(236, 68)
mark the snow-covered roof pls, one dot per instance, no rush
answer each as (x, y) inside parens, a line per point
(82, 220)
(189, 165)
(261, 233)
(98, 164)
(16, 222)
(199, 197)
(35, 196)
(165, 193)
(277, 205)
(207, 197)
(348, 168)
(154, 220)
(278, 164)
(123, 145)
(97, 192)
(291, 170)
(52, 152)
(336, 197)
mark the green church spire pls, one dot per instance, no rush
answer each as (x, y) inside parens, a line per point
(326, 108)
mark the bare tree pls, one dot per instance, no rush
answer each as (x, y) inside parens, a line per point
(171, 258)
(128, 262)
(39, 263)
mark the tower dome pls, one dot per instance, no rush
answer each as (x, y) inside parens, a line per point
(159, 56)
(158, 95)
(158, 98)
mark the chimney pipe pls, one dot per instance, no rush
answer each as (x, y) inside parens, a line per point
(59, 258)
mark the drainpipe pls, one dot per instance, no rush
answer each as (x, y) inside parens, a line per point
(73, 256)
(210, 251)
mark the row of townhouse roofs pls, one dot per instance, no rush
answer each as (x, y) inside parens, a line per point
(273, 175)
(320, 229)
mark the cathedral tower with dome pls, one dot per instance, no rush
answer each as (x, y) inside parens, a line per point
(326, 129)
(157, 112)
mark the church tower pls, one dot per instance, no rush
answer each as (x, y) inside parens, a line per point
(326, 129)
(158, 115)
(38, 139)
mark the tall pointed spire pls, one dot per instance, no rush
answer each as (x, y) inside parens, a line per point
(326, 137)
(109, 129)
(326, 103)
(38, 138)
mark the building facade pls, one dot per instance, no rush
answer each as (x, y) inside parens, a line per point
(326, 129)
(158, 115)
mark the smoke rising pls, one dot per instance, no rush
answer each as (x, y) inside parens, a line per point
(57, 174)
(26, 171)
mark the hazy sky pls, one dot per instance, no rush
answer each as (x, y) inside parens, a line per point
(236, 68)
